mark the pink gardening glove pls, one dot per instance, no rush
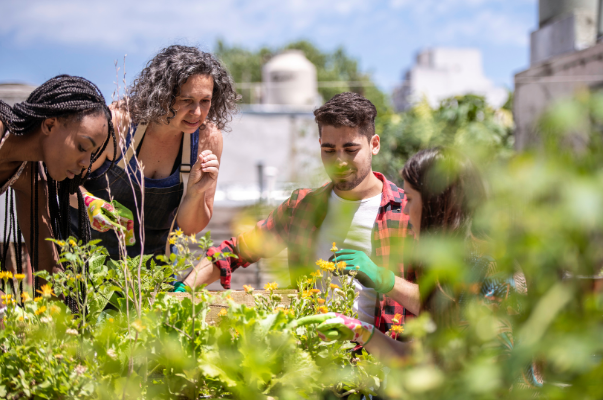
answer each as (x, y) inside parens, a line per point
(335, 326)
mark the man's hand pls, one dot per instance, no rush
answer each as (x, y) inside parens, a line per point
(368, 273)
(335, 326)
(204, 272)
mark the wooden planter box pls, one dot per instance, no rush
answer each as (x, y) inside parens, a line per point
(239, 297)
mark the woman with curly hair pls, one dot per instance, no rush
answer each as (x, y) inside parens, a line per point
(47, 145)
(172, 121)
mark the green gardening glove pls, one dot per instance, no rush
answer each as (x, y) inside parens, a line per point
(179, 287)
(368, 273)
(335, 326)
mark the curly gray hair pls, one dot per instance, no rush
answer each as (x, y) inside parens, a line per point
(154, 91)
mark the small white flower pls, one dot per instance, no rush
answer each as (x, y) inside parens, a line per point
(72, 332)
(80, 369)
(112, 354)
(45, 320)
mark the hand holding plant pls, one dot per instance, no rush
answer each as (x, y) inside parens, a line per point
(335, 326)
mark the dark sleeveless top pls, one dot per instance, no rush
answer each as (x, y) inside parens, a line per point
(161, 200)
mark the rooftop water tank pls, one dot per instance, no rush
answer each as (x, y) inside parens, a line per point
(289, 79)
(551, 10)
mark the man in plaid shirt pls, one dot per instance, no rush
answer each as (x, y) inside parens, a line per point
(359, 209)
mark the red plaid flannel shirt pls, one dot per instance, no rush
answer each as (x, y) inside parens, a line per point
(295, 225)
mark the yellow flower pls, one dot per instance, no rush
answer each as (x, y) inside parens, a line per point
(271, 286)
(248, 289)
(323, 310)
(19, 277)
(138, 325)
(397, 318)
(7, 275)
(306, 294)
(72, 242)
(341, 265)
(321, 301)
(285, 311)
(314, 291)
(38, 299)
(223, 312)
(46, 291)
(40, 310)
(316, 274)
(110, 319)
(1, 274)
(6, 297)
(178, 232)
(310, 281)
(334, 286)
(25, 297)
(60, 243)
(326, 265)
(193, 238)
(20, 319)
(397, 329)
(172, 240)
(334, 248)
(229, 297)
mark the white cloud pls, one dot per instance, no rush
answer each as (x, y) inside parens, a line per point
(113, 23)
(488, 27)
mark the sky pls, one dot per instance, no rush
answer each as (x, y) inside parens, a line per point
(40, 39)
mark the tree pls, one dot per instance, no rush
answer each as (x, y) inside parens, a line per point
(465, 121)
(337, 66)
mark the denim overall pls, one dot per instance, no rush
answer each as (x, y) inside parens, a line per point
(161, 200)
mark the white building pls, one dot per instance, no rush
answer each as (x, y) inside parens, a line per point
(443, 72)
(273, 146)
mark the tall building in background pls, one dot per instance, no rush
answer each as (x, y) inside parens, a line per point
(566, 56)
(444, 72)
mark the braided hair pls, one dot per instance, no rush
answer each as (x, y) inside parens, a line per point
(63, 97)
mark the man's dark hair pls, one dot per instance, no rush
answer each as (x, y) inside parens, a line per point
(347, 109)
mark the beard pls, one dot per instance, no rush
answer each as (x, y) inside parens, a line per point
(355, 179)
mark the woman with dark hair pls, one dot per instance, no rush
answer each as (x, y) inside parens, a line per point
(170, 123)
(54, 136)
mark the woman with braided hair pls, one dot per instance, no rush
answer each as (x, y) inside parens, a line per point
(170, 123)
(53, 138)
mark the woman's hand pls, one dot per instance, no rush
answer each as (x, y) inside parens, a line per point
(204, 173)
(335, 326)
(104, 216)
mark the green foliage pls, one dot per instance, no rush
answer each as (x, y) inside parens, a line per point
(465, 122)
(336, 66)
(147, 344)
(544, 224)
